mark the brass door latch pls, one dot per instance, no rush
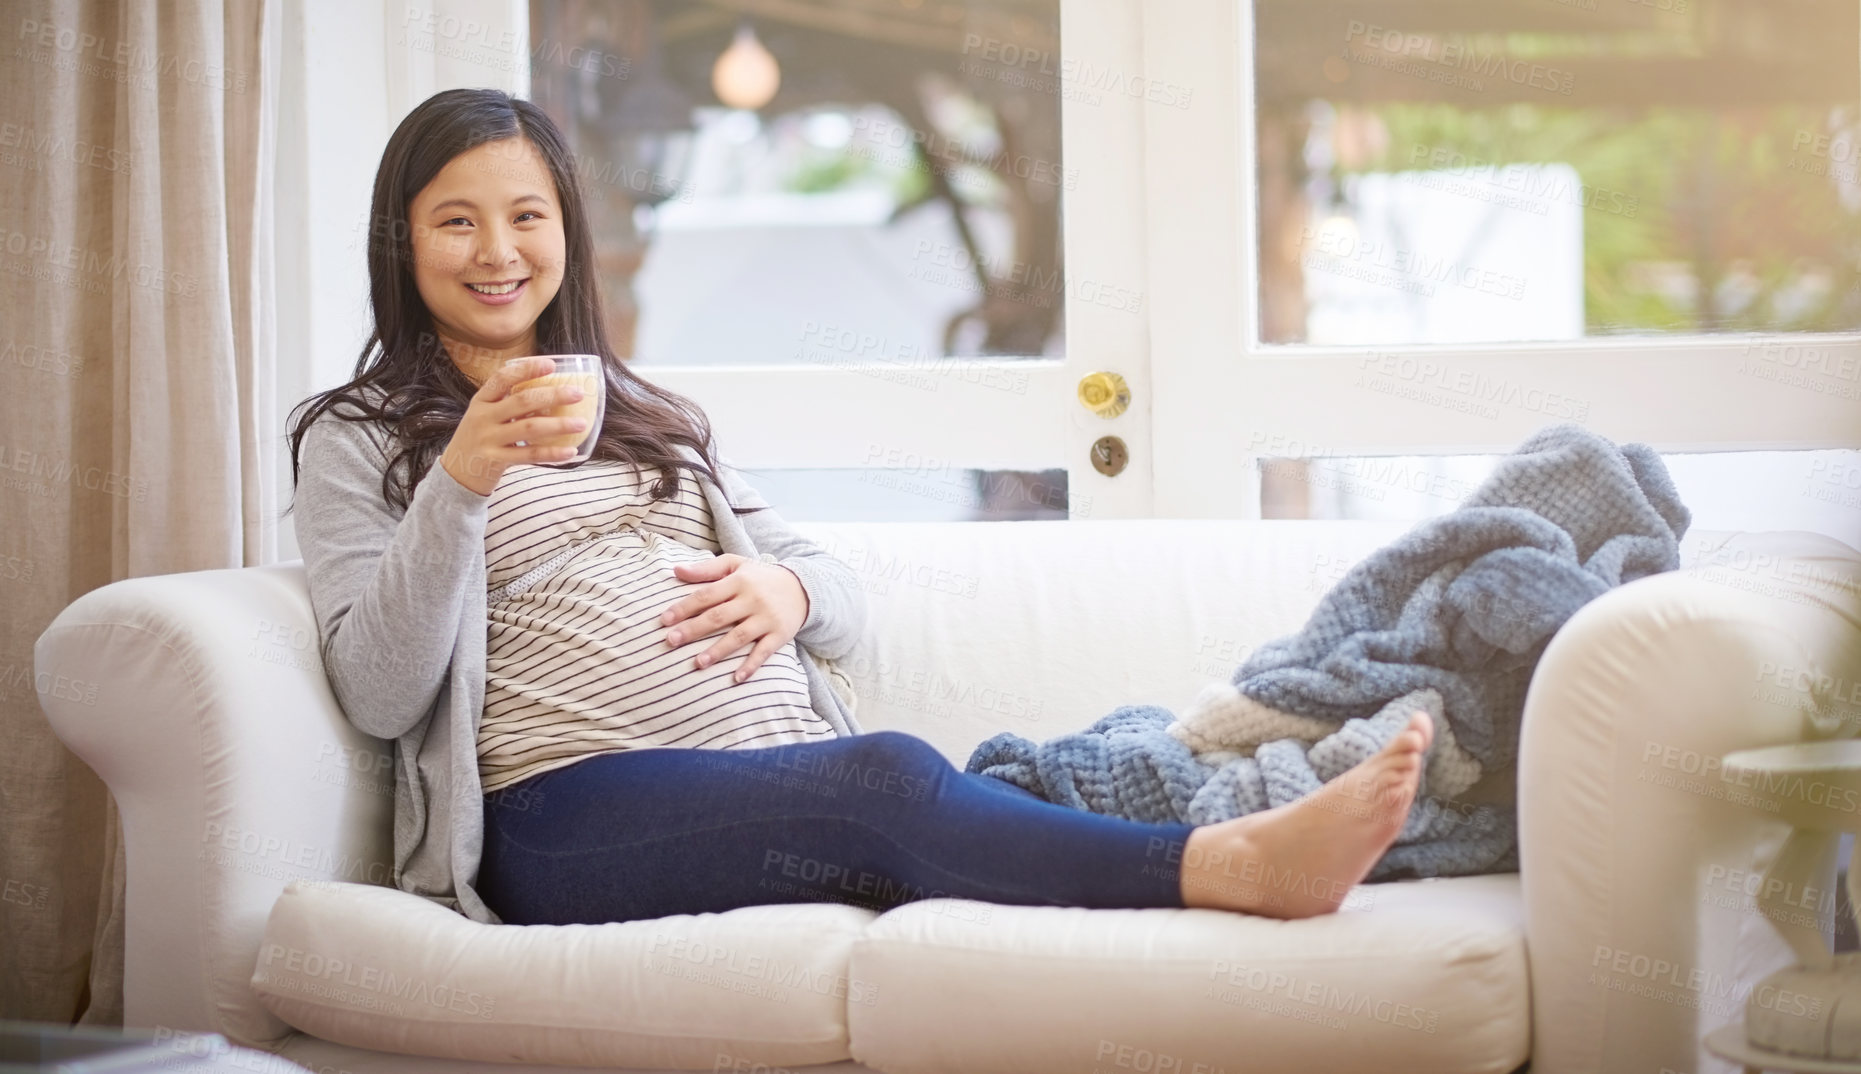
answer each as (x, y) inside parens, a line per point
(1104, 394)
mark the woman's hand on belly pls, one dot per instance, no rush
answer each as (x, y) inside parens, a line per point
(759, 605)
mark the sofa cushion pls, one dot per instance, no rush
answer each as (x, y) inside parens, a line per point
(1424, 976)
(378, 968)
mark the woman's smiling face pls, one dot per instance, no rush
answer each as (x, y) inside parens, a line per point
(488, 252)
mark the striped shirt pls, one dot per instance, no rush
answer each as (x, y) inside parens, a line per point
(578, 568)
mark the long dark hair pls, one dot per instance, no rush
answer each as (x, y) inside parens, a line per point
(422, 393)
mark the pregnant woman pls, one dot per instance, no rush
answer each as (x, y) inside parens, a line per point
(605, 682)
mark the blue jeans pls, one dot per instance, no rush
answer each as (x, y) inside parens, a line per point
(874, 820)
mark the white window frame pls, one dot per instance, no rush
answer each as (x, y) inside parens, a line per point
(1222, 400)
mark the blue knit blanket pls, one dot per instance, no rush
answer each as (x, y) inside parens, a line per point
(1451, 618)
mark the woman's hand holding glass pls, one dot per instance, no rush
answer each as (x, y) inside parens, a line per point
(500, 427)
(760, 606)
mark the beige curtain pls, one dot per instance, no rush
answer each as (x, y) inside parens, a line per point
(139, 431)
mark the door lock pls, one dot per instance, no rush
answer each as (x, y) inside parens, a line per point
(1109, 456)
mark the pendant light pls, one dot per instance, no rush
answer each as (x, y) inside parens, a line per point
(746, 75)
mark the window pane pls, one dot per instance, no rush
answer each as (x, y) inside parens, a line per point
(933, 492)
(821, 172)
(1444, 171)
(1818, 491)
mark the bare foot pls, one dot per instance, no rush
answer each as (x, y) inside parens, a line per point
(1303, 858)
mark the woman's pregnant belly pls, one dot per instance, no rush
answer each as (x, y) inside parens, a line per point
(578, 664)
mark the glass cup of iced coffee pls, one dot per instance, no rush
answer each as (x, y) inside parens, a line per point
(585, 372)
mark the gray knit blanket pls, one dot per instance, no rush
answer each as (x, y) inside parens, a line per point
(1451, 618)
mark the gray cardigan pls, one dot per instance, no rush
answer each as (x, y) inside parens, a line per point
(399, 598)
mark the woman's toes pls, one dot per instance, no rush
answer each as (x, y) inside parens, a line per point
(1411, 741)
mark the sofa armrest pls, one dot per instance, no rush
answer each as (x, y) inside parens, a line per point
(1640, 859)
(201, 701)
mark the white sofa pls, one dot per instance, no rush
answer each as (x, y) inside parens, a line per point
(1630, 933)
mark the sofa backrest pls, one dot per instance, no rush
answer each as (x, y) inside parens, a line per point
(1039, 628)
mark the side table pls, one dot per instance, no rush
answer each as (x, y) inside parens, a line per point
(1805, 1018)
